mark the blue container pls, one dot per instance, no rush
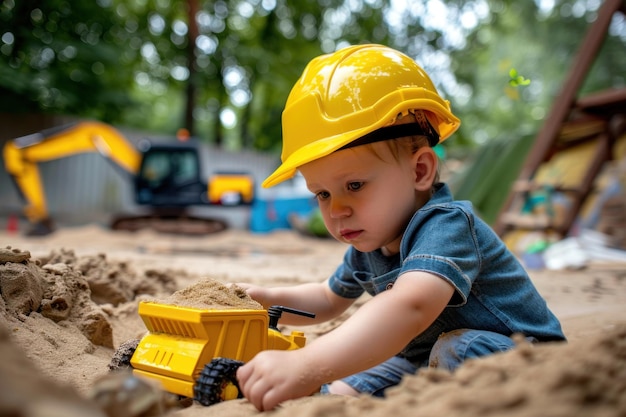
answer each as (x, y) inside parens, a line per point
(273, 213)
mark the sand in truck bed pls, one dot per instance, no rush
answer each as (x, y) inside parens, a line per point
(210, 294)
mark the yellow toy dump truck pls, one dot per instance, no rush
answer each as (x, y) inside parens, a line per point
(195, 352)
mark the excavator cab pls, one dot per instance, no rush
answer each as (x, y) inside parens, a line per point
(169, 176)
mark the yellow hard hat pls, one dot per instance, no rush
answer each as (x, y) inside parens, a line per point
(346, 95)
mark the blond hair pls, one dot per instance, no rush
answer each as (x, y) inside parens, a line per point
(407, 145)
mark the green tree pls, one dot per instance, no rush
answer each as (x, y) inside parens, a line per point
(505, 118)
(539, 43)
(64, 57)
(223, 68)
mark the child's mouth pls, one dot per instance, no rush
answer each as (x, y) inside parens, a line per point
(350, 234)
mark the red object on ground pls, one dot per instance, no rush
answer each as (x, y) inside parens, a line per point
(12, 224)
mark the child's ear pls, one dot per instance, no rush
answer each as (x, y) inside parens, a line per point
(425, 164)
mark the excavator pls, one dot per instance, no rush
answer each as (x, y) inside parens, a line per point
(166, 177)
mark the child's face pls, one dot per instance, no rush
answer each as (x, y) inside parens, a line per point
(366, 198)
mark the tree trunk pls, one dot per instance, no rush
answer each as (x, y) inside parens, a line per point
(190, 99)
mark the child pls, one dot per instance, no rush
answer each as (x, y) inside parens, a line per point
(360, 125)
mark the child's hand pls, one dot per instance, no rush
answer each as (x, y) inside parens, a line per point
(256, 292)
(274, 376)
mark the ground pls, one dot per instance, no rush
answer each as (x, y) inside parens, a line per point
(59, 329)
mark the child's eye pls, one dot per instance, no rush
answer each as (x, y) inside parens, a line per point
(355, 186)
(322, 195)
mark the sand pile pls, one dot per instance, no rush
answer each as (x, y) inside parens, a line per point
(56, 290)
(583, 379)
(25, 392)
(587, 378)
(57, 309)
(76, 291)
(63, 315)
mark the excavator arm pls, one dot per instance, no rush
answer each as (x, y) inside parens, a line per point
(22, 156)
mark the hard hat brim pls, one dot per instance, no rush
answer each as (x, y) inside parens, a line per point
(447, 125)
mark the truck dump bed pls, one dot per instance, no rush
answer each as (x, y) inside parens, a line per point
(183, 339)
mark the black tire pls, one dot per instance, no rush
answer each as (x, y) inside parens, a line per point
(214, 378)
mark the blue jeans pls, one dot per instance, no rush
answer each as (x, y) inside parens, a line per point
(449, 352)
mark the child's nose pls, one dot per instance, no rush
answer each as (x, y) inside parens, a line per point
(338, 209)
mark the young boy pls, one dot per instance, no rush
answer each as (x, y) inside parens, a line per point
(360, 125)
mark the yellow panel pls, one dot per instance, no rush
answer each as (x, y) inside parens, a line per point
(168, 355)
(568, 167)
(173, 385)
(183, 339)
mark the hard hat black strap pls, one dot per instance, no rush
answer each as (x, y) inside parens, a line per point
(421, 128)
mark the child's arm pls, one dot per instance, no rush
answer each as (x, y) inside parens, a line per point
(312, 297)
(380, 329)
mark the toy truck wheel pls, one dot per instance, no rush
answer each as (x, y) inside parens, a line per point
(218, 382)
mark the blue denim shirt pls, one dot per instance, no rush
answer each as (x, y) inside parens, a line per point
(492, 290)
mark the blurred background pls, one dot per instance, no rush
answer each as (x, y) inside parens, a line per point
(222, 70)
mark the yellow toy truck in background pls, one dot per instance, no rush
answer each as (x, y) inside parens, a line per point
(231, 188)
(195, 352)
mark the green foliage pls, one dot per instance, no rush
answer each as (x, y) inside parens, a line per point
(538, 44)
(163, 64)
(315, 224)
(58, 57)
(516, 80)
(491, 171)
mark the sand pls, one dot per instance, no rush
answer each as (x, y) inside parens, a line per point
(69, 300)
